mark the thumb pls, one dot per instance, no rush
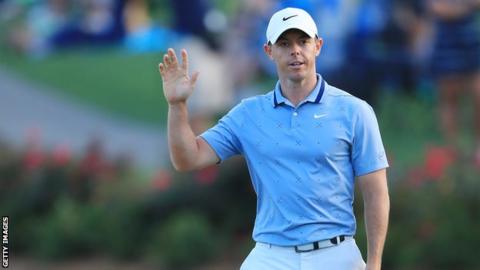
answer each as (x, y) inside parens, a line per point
(194, 78)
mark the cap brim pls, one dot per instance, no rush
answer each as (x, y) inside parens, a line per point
(275, 37)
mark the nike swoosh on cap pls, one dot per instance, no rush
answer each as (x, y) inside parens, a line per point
(286, 18)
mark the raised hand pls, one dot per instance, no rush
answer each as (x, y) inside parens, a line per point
(177, 84)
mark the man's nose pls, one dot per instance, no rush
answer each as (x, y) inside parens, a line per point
(295, 49)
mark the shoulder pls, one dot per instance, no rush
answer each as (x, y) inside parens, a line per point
(252, 104)
(256, 102)
(342, 99)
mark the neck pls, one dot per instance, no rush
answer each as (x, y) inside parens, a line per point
(297, 91)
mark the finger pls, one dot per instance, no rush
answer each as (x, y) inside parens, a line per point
(184, 60)
(173, 57)
(161, 68)
(194, 78)
(166, 60)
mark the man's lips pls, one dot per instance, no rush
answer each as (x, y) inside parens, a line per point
(296, 64)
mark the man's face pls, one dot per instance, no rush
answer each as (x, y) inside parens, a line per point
(294, 54)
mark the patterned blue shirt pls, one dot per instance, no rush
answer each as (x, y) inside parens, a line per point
(302, 160)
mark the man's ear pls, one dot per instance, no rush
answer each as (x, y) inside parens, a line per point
(267, 48)
(318, 45)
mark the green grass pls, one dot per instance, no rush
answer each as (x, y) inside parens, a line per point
(117, 82)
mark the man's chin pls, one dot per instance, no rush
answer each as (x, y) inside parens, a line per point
(297, 77)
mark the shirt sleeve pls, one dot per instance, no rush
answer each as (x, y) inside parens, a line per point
(368, 153)
(223, 136)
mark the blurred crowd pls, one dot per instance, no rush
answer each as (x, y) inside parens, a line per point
(370, 46)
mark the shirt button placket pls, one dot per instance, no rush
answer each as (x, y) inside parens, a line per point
(293, 124)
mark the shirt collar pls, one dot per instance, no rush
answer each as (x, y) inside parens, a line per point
(315, 96)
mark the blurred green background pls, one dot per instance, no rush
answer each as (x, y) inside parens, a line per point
(91, 207)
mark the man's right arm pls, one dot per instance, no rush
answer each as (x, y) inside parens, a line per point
(187, 151)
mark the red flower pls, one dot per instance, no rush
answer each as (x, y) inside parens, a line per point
(162, 180)
(437, 161)
(207, 175)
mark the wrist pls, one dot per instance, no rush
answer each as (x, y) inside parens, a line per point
(177, 104)
(178, 109)
(374, 264)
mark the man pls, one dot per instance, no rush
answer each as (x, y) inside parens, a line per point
(305, 143)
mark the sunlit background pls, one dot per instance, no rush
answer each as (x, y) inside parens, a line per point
(85, 176)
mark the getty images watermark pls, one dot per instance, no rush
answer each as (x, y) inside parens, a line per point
(5, 242)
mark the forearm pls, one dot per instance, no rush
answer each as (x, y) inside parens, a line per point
(181, 139)
(377, 207)
(376, 201)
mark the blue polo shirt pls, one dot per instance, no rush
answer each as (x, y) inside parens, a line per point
(302, 160)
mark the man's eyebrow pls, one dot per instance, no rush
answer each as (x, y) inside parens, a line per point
(304, 35)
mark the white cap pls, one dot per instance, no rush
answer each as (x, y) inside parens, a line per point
(290, 18)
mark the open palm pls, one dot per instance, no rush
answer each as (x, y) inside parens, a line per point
(177, 84)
